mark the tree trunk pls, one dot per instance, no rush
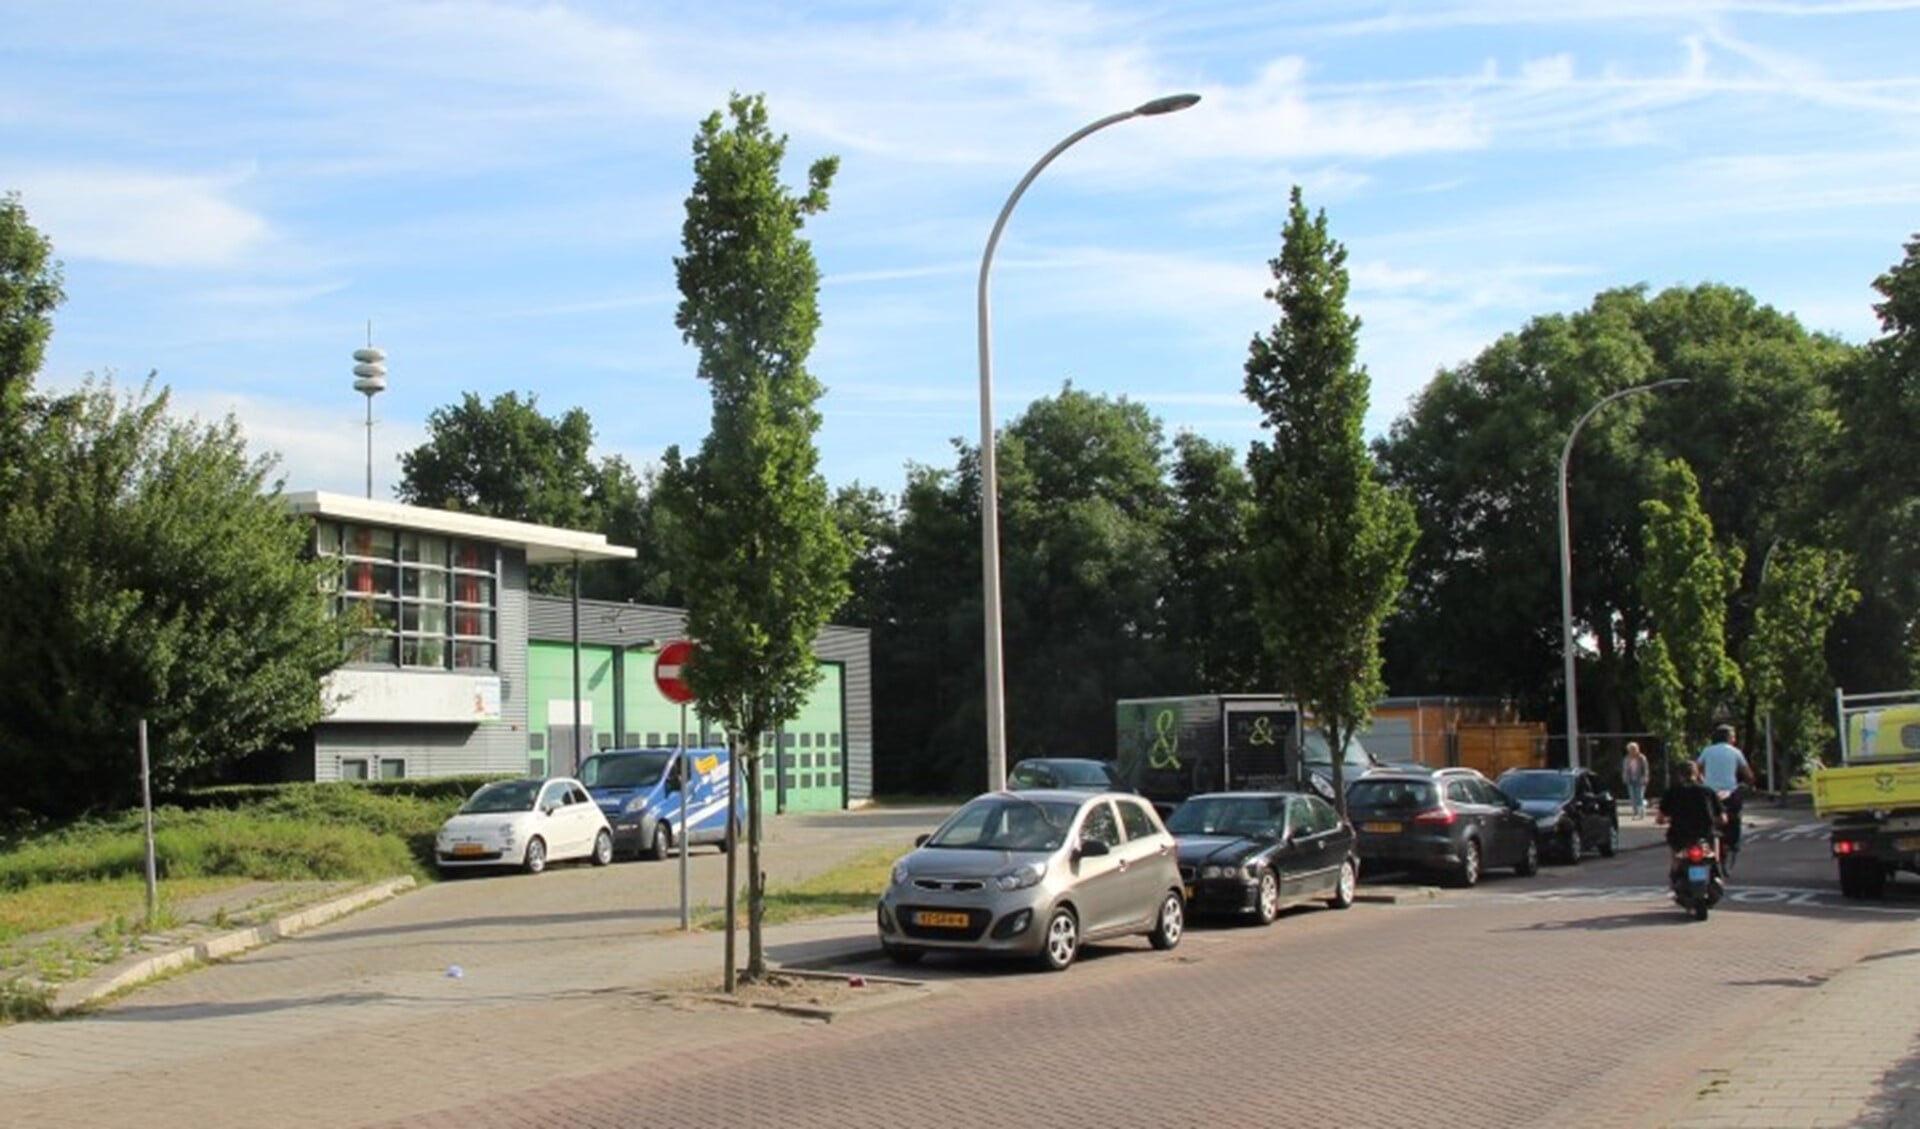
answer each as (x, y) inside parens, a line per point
(756, 881)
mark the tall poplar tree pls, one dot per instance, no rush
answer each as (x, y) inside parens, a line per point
(1331, 540)
(755, 538)
(1687, 677)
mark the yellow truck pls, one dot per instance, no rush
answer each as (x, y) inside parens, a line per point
(1872, 797)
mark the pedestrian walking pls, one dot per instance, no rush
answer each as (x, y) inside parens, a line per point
(1633, 769)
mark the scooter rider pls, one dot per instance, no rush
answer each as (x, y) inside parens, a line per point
(1691, 811)
(1724, 768)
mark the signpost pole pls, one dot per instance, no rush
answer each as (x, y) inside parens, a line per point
(686, 795)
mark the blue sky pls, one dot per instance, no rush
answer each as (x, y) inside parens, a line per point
(237, 189)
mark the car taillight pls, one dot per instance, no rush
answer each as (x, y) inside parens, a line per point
(1847, 846)
(1696, 853)
(1440, 816)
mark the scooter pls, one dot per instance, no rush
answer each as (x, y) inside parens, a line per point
(1697, 880)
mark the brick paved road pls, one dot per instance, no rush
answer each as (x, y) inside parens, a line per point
(1500, 1007)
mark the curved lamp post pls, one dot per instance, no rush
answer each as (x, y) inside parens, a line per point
(1566, 564)
(989, 477)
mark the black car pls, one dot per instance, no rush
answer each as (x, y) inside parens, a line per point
(1451, 820)
(1070, 773)
(1573, 811)
(1253, 853)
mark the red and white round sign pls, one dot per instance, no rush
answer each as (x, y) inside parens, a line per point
(667, 671)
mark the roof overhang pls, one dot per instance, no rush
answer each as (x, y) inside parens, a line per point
(544, 544)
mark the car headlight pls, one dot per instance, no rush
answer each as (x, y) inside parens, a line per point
(506, 835)
(901, 875)
(1021, 877)
(634, 804)
(1227, 871)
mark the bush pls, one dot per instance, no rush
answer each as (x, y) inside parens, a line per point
(266, 832)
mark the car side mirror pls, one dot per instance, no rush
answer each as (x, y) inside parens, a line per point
(1093, 848)
(921, 840)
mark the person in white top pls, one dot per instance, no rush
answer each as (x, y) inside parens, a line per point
(1724, 768)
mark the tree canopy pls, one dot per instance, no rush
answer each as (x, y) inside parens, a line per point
(170, 584)
(1331, 540)
(751, 511)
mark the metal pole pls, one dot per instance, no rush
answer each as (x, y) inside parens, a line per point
(574, 766)
(1566, 565)
(146, 802)
(686, 790)
(730, 979)
(369, 446)
(989, 476)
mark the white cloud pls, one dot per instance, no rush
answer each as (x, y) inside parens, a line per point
(142, 218)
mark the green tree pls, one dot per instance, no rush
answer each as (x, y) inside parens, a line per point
(1084, 507)
(1874, 489)
(29, 294)
(1803, 592)
(1331, 540)
(1686, 583)
(752, 512)
(1208, 603)
(168, 583)
(505, 459)
(1479, 453)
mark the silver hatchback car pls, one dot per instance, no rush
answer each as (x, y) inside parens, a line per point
(1036, 874)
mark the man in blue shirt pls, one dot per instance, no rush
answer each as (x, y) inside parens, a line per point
(1724, 768)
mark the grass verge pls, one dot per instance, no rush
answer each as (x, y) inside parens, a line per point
(852, 887)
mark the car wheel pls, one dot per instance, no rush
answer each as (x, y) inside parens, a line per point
(1576, 845)
(899, 954)
(1171, 922)
(1529, 864)
(1062, 940)
(1611, 843)
(603, 848)
(536, 859)
(1343, 886)
(1266, 905)
(662, 843)
(1468, 872)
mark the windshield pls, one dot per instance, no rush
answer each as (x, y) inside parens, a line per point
(1391, 794)
(503, 795)
(1251, 817)
(1315, 750)
(1537, 786)
(625, 770)
(1007, 823)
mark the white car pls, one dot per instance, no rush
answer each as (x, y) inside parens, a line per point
(525, 823)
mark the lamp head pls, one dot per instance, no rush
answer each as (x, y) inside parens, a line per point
(1172, 103)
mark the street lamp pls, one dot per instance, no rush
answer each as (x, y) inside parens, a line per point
(1566, 564)
(989, 477)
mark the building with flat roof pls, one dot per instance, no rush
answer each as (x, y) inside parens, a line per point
(462, 670)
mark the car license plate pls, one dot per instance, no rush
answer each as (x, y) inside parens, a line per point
(1910, 843)
(929, 919)
(1699, 873)
(469, 849)
(1381, 828)
(1186, 892)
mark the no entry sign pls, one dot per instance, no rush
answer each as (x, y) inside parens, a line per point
(667, 671)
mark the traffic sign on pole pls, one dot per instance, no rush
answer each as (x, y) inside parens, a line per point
(668, 671)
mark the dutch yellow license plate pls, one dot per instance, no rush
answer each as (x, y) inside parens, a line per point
(1381, 828)
(1910, 843)
(469, 849)
(1187, 891)
(928, 919)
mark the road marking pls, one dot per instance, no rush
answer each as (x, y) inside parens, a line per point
(1738, 895)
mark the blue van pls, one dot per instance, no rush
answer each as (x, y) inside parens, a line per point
(639, 791)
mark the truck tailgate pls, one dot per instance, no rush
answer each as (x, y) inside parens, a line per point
(1866, 787)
